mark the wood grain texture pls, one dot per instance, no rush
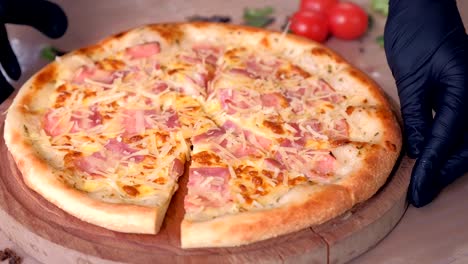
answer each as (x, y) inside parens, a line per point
(338, 240)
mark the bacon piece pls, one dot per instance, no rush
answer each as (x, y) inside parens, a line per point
(159, 88)
(274, 100)
(94, 74)
(208, 135)
(251, 137)
(113, 154)
(231, 100)
(191, 60)
(208, 52)
(244, 72)
(199, 79)
(340, 130)
(261, 68)
(177, 169)
(94, 164)
(136, 121)
(315, 166)
(197, 174)
(55, 124)
(326, 92)
(143, 50)
(273, 164)
(83, 120)
(210, 185)
(121, 150)
(325, 165)
(173, 119)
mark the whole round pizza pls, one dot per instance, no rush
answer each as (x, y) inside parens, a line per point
(275, 133)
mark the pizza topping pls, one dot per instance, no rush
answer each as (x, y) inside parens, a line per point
(315, 165)
(340, 130)
(208, 53)
(84, 120)
(136, 121)
(273, 164)
(177, 169)
(143, 50)
(130, 190)
(275, 100)
(233, 101)
(94, 165)
(57, 122)
(325, 92)
(255, 140)
(121, 150)
(208, 187)
(209, 135)
(261, 68)
(93, 74)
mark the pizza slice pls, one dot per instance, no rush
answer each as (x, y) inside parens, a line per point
(111, 139)
(239, 192)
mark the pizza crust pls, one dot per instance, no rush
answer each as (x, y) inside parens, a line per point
(301, 207)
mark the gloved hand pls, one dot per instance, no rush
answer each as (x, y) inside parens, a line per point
(44, 16)
(427, 50)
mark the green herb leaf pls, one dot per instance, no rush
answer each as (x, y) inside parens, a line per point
(49, 53)
(258, 17)
(380, 6)
(380, 40)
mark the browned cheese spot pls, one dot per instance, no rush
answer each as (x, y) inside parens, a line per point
(274, 126)
(206, 158)
(130, 190)
(110, 64)
(350, 109)
(265, 42)
(297, 180)
(160, 180)
(257, 181)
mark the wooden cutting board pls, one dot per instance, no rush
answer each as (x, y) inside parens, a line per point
(52, 236)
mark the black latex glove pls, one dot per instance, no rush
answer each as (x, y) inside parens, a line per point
(427, 50)
(44, 16)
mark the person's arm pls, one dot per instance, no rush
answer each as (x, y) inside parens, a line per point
(427, 50)
(44, 16)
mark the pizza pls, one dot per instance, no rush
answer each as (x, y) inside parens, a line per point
(275, 133)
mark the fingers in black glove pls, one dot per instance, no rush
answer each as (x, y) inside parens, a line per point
(7, 56)
(5, 88)
(447, 129)
(417, 113)
(428, 56)
(44, 16)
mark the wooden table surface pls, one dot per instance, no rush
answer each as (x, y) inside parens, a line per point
(433, 234)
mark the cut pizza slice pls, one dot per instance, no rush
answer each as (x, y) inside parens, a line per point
(236, 187)
(111, 143)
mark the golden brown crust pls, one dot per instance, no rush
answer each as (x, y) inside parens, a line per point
(303, 206)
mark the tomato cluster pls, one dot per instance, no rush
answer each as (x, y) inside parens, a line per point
(316, 19)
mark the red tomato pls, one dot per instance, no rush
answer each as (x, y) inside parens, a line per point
(317, 5)
(347, 20)
(310, 24)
